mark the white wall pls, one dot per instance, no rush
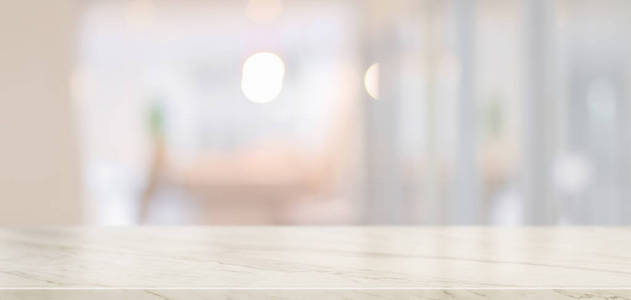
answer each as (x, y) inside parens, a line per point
(39, 172)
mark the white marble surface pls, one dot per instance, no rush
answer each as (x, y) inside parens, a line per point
(315, 263)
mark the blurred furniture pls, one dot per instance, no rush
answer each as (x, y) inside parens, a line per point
(315, 263)
(267, 184)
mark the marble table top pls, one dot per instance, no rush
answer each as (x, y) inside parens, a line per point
(315, 263)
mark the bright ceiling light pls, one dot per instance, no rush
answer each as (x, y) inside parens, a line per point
(371, 81)
(262, 78)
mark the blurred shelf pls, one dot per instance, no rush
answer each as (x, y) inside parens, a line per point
(315, 263)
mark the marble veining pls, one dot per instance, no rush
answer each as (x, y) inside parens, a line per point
(315, 263)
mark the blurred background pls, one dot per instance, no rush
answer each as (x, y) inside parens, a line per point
(502, 112)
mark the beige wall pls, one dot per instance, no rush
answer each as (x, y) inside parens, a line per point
(39, 180)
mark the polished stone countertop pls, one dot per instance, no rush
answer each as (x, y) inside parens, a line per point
(315, 263)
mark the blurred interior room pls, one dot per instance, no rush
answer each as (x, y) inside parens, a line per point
(432, 112)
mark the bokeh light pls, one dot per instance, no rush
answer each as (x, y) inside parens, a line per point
(371, 81)
(263, 75)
